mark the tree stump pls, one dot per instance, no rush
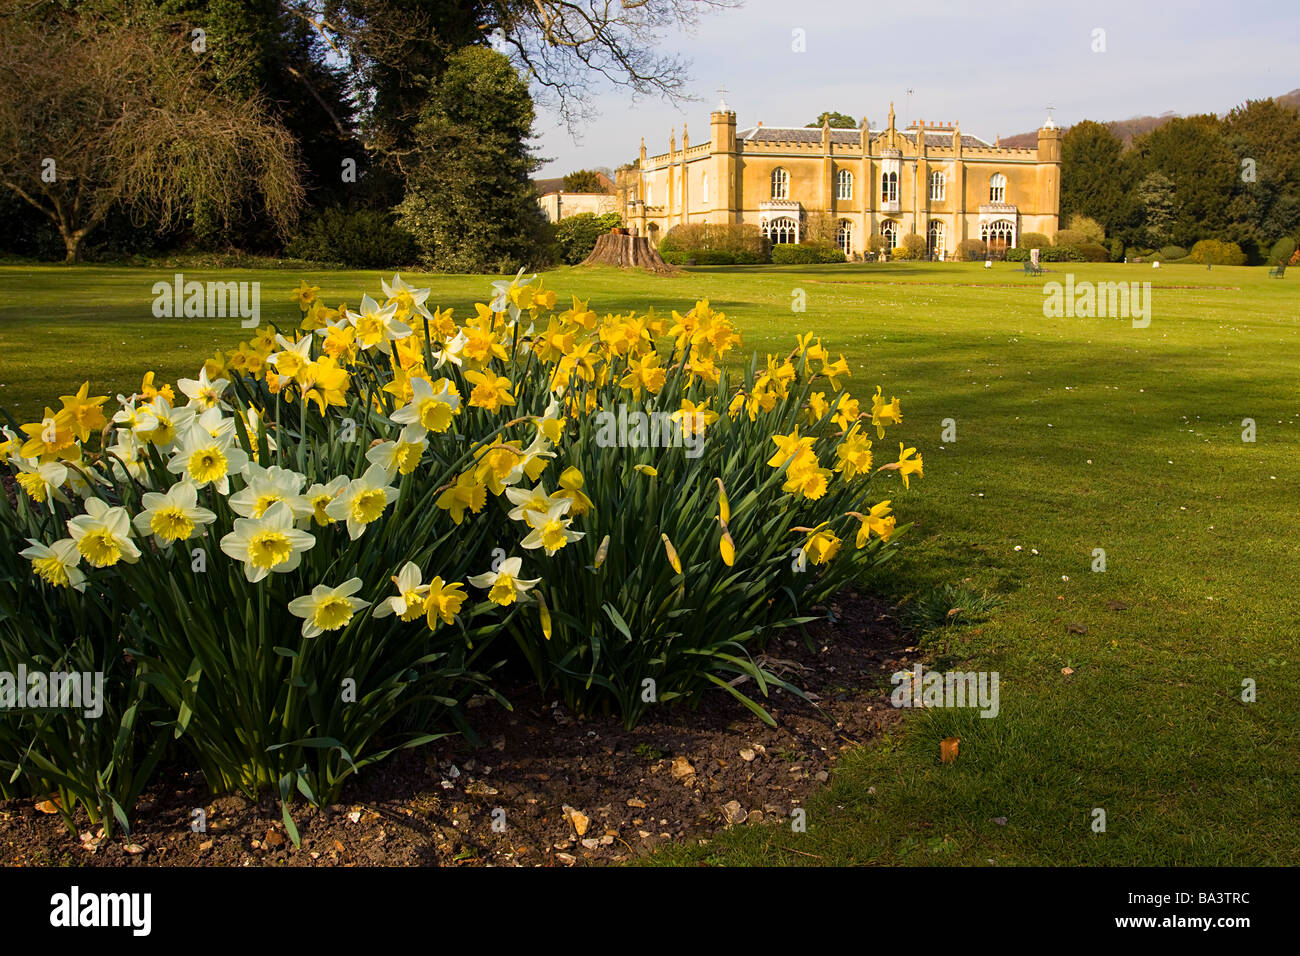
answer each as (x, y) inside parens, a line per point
(627, 252)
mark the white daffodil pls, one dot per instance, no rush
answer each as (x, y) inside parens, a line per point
(550, 529)
(535, 457)
(433, 405)
(103, 535)
(537, 500)
(213, 423)
(206, 459)
(42, 483)
(56, 564)
(411, 594)
(319, 496)
(376, 327)
(81, 480)
(127, 457)
(402, 455)
(128, 416)
(406, 297)
(452, 350)
(501, 299)
(263, 487)
(504, 585)
(173, 515)
(269, 543)
(162, 425)
(363, 500)
(202, 392)
(327, 608)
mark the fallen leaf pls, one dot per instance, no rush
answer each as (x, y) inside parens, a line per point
(576, 817)
(682, 768)
(1077, 628)
(1116, 606)
(948, 749)
(52, 805)
(134, 849)
(273, 838)
(1067, 671)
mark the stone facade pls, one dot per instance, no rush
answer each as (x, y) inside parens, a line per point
(847, 185)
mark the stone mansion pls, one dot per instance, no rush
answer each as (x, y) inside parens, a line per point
(928, 179)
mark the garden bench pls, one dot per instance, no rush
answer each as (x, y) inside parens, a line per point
(1032, 270)
(1278, 271)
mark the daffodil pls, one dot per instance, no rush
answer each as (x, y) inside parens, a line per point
(377, 327)
(504, 585)
(56, 564)
(491, 391)
(433, 405)
(884, 413)
(161, 425)
(327, 608)
(320, 495)
(537, 500)
(263, 487)
(173, 515)
(571, 482)
(363, 500)
(203, 393)
(551, 529)
(42, 483)
(103, 535)
(205, 459)
(402, 455)
(267, 544)
(305, 294)
(49, 437)
(877, 521)
(908, 465)
(467, 492)
(406, 297)
(821, 546)
(443, 602)
(853, 455)
(409, 602)
(84, 414)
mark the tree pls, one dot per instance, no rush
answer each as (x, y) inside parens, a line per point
(576, 235)
(583, 181)
(1155, 196)
(1092, 177)
(469, 201)
(93, 113)
(1265, 137)
(837, 121)
(1194, 156)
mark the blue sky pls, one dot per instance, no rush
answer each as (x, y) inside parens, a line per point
(993, 67)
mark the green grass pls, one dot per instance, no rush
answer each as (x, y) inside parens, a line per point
(1072, 434)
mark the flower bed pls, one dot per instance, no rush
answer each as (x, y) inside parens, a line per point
(313, 561)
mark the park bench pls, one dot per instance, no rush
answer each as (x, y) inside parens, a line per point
(1031, 269)
(1278, 271)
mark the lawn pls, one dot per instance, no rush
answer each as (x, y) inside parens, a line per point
(1120, 690)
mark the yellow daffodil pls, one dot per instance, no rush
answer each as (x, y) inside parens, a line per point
(884, 413)
(433, 405)
(49, 437)
(443, 602)
(878, 521)
(85, 415)
(822, 546)
(853, 455)
(305, 294)
(491, 391)
(467, 492)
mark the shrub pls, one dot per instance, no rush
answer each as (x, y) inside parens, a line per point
(576, 235)
(806, 253)
(358, 238)
(704, 257)
(1214, 252)
(1060, 254)
(1068, 237)
(1018, 254)
(262, 561)
(1282, 250)
(1093, 252)
(970, 250)
(1090, 229)
(1116, 250)
(734, 238)
(1170, 253)
(1033, 240)
(878, 244)
(911, 246)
